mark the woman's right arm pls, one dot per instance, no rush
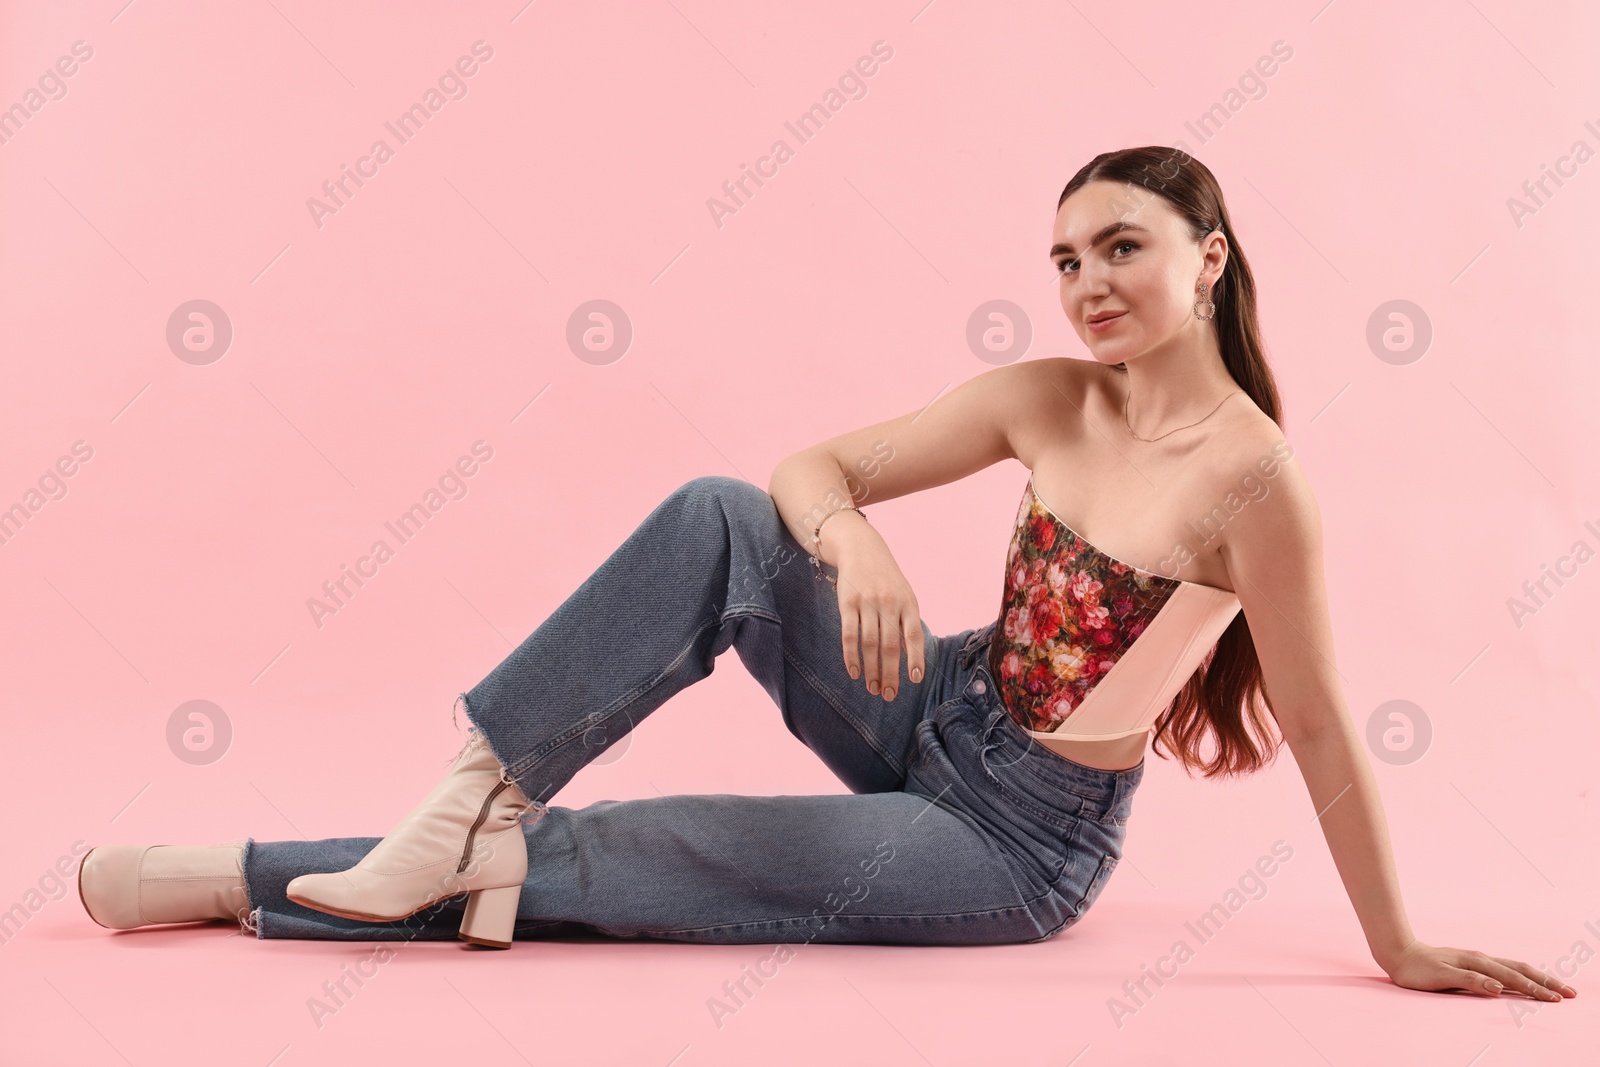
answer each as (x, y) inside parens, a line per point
(972, 427)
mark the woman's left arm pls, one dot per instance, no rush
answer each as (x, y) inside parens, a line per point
(1273, 552)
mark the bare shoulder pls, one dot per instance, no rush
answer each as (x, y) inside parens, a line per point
(1039, 388)
(1047, 379)
(1274, 507)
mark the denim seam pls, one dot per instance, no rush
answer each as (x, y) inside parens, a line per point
(1072, 847)
(1028, 902)
(1088, 809)
(584, 725)
(907, 919)
(1002, 852)
(825, 691)
(1102, 871)
(1064, 821)
(757, 610)
(1055, 817)
(1061, 820)
(1039, 778)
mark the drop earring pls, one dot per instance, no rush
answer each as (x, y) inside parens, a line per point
(1211, 307)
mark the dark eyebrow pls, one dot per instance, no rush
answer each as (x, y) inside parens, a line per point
(1115, 227)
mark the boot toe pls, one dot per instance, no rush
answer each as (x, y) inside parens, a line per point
(330, 893)
(108, 886)
(307, 889)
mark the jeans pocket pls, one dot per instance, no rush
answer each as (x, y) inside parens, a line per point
(1087, 792)
(1024, 771)
(1096, 883)
(994, 768)
(1097, 851)
(1080, 875)
(1058, 809)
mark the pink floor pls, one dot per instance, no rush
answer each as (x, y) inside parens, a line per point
(1273, 991)
(1285, 980)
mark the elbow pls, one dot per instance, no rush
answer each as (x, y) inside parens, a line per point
(776, 477)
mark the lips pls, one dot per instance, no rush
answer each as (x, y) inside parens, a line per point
(1104, 316)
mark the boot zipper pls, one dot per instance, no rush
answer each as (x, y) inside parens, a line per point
(483, 814)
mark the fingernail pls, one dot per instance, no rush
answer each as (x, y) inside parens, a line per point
(854, 673)
(916, 674)
(1493, 986)
(888, 694)
(872, 687)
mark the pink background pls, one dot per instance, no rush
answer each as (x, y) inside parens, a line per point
(431, 311)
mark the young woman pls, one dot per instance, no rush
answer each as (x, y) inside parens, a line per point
(992, 771)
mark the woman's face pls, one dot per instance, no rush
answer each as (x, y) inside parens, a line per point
(1123, 251)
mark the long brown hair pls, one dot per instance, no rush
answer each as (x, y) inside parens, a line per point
(1225, 696)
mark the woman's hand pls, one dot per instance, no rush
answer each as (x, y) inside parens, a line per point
(877, 609)
(1431, 967)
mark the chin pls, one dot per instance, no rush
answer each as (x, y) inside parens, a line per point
(1110, 355)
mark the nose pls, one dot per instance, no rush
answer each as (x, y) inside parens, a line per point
(1092, 276)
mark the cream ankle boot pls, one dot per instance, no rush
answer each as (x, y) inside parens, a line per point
(464, 837)
(125, 886)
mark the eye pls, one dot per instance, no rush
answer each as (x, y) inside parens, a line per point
(1070, 266)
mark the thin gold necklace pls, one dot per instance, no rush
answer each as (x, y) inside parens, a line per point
(1197, 422)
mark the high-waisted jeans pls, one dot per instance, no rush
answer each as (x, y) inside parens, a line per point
(958, 828)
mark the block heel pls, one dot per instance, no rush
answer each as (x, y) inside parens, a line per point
(491, 916)
(465, 836)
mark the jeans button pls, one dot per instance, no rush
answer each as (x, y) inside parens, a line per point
(979, 686)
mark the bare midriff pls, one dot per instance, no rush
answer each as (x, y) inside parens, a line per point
(1120, 754)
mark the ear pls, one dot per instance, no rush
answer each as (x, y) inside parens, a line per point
(1213, 257)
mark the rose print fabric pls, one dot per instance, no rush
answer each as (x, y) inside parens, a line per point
(1068, 613)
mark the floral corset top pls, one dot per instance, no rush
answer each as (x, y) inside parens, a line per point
(1086, 646)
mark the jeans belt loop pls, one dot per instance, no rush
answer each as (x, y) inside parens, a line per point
(987, 739)
(969, 649)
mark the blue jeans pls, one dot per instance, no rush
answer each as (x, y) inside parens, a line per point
(958, 828)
